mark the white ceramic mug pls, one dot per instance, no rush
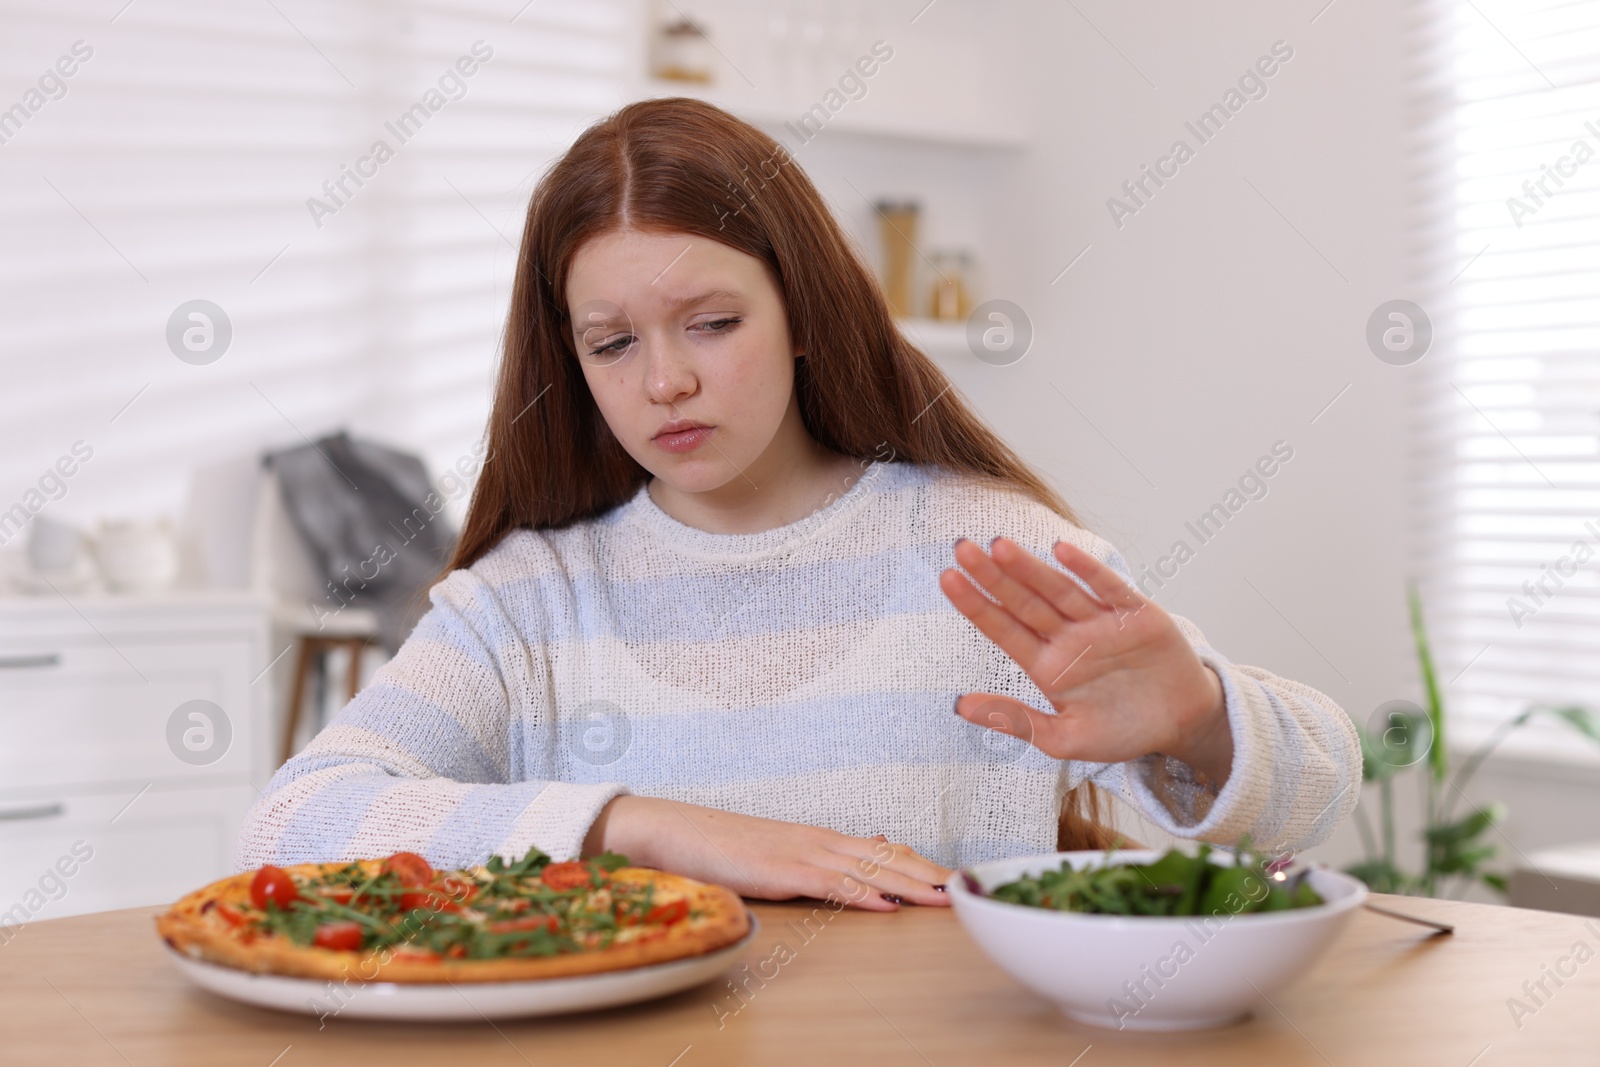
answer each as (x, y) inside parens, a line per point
(138, 555)
(55, 547)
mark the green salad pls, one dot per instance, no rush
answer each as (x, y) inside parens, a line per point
(1174, 884)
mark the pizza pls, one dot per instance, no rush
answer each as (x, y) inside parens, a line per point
(399, 920)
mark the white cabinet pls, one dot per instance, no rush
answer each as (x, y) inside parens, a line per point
(133, 737)
(164, 844)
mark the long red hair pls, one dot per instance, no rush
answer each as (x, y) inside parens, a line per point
(682, 165)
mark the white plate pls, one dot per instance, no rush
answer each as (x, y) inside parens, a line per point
(435, 1002)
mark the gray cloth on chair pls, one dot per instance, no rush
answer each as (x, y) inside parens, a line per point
(364, 512)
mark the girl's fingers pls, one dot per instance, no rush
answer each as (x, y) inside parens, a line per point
(852, 891)
(908, 890)
(1018, 641)
(1019, 597)
(1058, 590)
(861, 886)
(1047, 733)
(1107, 583)
(876, 852)
(1001, 714)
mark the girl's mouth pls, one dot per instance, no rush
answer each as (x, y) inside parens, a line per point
(686, 440)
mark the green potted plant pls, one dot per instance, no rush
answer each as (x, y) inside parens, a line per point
(1454, 847)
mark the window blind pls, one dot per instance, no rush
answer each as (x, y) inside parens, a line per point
(226, 152)
(1507, 406)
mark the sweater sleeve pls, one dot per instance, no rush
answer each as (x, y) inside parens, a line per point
(1296, 771)
(424, 758)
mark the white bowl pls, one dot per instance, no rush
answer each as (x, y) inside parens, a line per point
(1149, 972)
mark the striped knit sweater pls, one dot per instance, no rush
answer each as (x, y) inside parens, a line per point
(804, 673)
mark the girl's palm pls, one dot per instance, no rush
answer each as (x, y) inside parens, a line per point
(1122, 678)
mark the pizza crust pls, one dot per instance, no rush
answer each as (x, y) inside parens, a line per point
(193, 927)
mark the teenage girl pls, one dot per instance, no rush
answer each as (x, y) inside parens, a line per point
(746, 592)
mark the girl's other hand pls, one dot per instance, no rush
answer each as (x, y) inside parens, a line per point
(1121, 676)
(765, 858)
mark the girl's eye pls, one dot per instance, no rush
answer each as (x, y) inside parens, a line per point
(612, 350)
(723, 325)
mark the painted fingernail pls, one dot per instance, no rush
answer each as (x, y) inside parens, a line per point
(880, 837)
(891, 898)
(939, 888)
(956, 707)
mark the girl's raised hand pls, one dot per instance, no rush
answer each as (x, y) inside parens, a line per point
(1121, 676)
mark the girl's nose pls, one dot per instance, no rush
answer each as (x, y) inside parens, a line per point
(669, 375)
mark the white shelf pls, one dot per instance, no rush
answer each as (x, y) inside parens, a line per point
(940, 340)
(853, 119)
(78, 611)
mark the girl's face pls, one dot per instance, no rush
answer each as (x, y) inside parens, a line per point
(684, 343)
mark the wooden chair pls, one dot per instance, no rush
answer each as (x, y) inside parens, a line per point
(282, 567)
(313, 649)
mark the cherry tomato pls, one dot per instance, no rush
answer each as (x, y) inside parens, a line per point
(272, 884)
(566, 875)
(410, 868)
(416, 898)
(343, 936)
(531, 922)
(667, 914)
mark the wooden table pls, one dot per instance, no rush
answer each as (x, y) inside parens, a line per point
(868, 988)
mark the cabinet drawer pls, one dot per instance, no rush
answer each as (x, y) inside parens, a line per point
(74, 713)
(67, 857)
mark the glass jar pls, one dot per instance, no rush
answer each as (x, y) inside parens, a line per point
(682, 53)
(897, 225)
(951, 296)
